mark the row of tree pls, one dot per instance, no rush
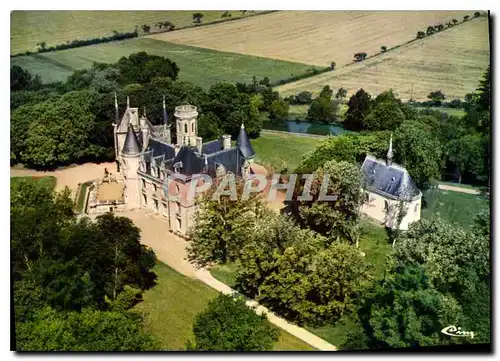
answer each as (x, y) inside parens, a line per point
(440, 27)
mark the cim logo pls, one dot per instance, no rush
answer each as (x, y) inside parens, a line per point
(456, 332)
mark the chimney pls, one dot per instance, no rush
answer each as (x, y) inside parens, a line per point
(199, 143)
(226, 141)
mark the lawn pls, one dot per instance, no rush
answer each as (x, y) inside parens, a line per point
(373, 242)
(456, 112)
(200, 66)
(82, 194)
(49, 182)
(56, 27)
(170, 308)
(453, 207)
(282, 150)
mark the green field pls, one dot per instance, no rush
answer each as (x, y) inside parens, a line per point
(56, 27)
(200, 66)
(373, 242)
(169, 310)
(49, 182)
(456, 112)
(282, 150)
(453, 207)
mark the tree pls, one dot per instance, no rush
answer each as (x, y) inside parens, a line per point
(221, 227)
(304, 97)
(466, 18)
(383, 49)
(341, 94)
(21, 79)
(430, 30)
(326, 92)
(455, 21)
(418, 149)
(323, 110)
(359, 105)
(436, 97)
(467, 154)
(477, 14)
(337, 219)
(289, 270)
(420, 35)
(403, 310)
(89, 330)
(278, 111)
(360, 57)
(146, 28)
(332, 65)
(439, 27)
(197, 17)
(42, 45)
(384, 116)
(142, 68)
(227, 324)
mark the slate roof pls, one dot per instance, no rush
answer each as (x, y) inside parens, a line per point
(191, 163)
(131, 146)
(392, 181)
(244, 143)
(232, 159)
(211, 147)
(159, 148)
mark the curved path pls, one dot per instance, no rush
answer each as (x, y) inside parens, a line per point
(168, 247)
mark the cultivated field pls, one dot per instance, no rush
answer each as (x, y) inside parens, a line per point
(56, 27)
(313, 37)
(200, 66)
(452, 61)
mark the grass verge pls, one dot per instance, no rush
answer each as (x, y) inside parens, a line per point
(49, 181)
(169, 310)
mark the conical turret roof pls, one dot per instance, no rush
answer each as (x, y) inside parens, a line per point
(131, 145)
(244, 143)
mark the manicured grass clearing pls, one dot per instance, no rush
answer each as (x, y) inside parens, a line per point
(80, 204)
(280, 150)
(200, 66)
(452, 61)
(56, 27)
(373, 242)
(49, 181)
(453, 207)
(169, 310)
(457, 112)
(460, 185)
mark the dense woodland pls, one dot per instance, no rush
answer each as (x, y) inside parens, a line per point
(76, 280)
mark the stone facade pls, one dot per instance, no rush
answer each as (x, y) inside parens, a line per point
(156, 171)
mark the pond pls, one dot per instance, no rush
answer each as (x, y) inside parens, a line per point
(313, 128)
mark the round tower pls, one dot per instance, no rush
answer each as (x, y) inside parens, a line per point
(186, 121)
(130, 158)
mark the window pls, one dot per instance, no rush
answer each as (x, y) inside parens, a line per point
(192, 127)
(185, 128)
(155, 188)
(158, 172)
(143, 181)
(179, 223)
(155, 205)
(386, 206)
(416, 208)
(178, 208)
(165, 209)
(145, 199)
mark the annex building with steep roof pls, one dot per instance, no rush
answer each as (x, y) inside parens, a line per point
(390, 192)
